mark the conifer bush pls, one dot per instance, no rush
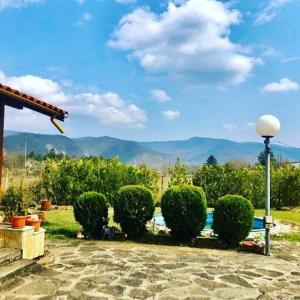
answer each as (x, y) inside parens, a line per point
(233, 219)
(91, 211)
(133, 208)
(184, 211)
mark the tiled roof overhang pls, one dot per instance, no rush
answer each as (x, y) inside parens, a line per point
(19, 100)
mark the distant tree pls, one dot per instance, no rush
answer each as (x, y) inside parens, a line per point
(51, 153)
(211, 161)
(178, 174)
(261, 158)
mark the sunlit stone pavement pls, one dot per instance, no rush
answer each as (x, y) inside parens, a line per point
(123, 270)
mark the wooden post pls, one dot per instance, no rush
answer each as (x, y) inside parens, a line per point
(2, 110)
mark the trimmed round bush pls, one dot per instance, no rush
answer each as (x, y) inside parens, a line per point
(184, 211)
(233, 219)
(91, 211)
(133, 208)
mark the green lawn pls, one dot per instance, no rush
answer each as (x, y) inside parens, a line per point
(285, 215)
(60, 223)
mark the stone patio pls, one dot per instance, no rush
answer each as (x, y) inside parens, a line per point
(123, 270)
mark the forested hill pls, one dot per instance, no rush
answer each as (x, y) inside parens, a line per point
(192, 151)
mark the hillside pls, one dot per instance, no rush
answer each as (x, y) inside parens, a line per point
(192, 151)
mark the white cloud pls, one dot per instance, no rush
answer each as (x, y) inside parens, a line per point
(126, 1)
(55, 69)
(86, 17)
(250, 125)
(190, 40)
(17, 3)
(39, 87)
(290, 59)
(229, 126)
(170, 114)
(160, 95)
(80, 1)
(109, 108)
(284, 85)
(27, 121)
(270, 11)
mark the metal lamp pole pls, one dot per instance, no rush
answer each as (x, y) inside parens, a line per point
(267, 127)
(267, 218)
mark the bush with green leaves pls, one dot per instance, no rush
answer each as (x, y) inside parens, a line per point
(15, 201)
(91, 211)
(64, 180)
(233, 219)
(184, 211)
(133, 208)
(178, 175)
(221, 180)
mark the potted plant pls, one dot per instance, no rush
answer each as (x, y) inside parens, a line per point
(46, 204)
(15, 205)
(35, 222)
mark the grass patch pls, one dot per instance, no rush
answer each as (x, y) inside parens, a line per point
(60, 224)
(284, 215)
(292, 237)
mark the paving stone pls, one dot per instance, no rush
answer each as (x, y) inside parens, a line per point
(140, 294)
(115, 270)
(210, 284)
(270, 273)
(234, 279)
(130, 282)
(237, 293)
(41, 287)
(114, 289)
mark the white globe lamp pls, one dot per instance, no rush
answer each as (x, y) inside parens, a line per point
(267, 127)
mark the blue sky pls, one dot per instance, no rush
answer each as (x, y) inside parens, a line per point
(155, 70)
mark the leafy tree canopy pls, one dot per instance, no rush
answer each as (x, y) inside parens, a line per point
(211, 161)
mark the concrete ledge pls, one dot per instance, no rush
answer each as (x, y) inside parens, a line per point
(26, 239)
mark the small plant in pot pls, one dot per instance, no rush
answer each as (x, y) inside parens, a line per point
(34, 221)
(15, 204)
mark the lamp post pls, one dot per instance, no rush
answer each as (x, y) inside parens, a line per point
(267, 127)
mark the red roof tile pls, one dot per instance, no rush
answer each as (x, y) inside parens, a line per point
(19, 100)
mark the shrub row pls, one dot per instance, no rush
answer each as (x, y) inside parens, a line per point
(64, 180)
(183, 208)
(221, 180)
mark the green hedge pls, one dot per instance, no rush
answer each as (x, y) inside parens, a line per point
(91, 211)
(133, 208)
(221, 180)
(64, 180)
(184, 211)
(233, 219)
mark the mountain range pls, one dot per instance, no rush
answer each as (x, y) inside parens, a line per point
(192, 151)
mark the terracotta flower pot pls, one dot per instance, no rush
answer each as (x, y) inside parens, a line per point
(249, 246)
(27, 218)
(35, 223)
(18, 222)
(41, 215)
(46, 205)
